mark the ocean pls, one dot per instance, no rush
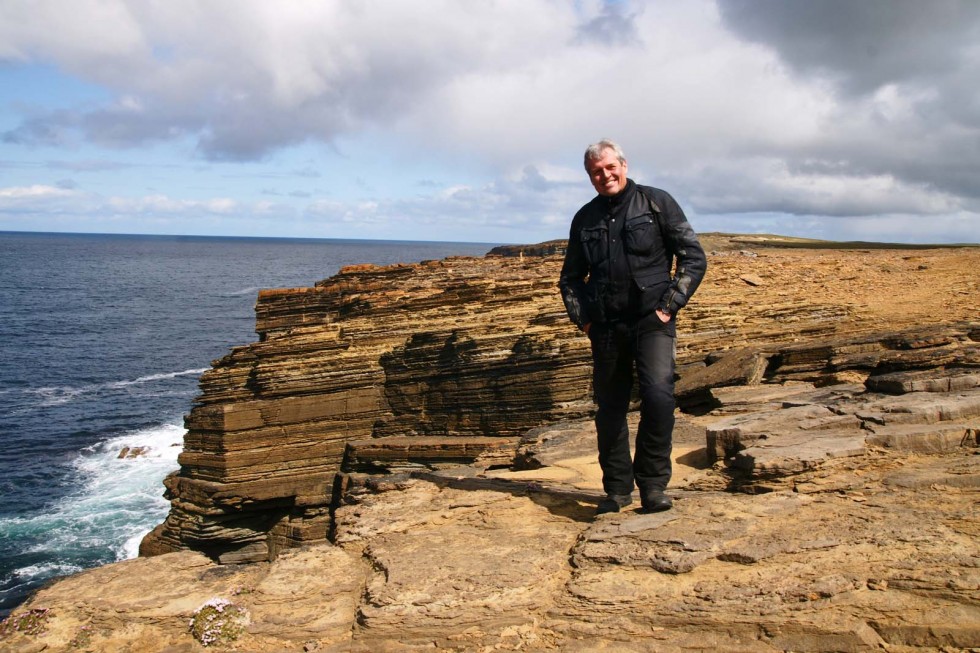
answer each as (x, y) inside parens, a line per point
(102, 341)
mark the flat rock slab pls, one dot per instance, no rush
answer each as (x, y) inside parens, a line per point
(752, 397)
(729, 435)
(935, 380)
(797, 452)
(767, 433)
(701, 528)
(921, 408)
(925, 438)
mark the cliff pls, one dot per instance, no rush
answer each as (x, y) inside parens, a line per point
(428, 427)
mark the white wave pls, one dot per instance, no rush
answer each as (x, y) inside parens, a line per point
(131, 547)
(55, 395)
(157, 377)
(47, 570)
(58, 395)
(118, 501)
(244, 291)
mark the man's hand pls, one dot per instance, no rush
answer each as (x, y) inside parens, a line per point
(664, 317)
(586, 328)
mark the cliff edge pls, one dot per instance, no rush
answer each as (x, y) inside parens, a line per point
(405, 455)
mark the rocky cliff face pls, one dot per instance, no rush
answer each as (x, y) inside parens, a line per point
(432, 422)
(465, 355)
(467, 349)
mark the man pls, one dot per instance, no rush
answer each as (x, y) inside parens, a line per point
(617, 286)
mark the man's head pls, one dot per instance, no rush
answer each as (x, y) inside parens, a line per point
(606, 165)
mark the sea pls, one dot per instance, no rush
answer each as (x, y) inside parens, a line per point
(102, 341)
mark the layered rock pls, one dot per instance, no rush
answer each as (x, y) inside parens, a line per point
(460, 347)
(875, 549)
(471, 348)
(826, 476)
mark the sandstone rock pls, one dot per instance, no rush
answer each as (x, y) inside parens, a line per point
(810, 514)
(390, 454)
(881, 555)
(480, 348)
(928, 438)
(735, 368)
(146, 604)
(941, 380)
(132, 452)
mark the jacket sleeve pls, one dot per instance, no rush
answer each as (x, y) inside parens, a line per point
(571, 282)
(683, 243)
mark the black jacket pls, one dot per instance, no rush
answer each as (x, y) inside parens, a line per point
(654, 232)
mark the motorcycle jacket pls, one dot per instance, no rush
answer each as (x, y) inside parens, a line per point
(624, 257)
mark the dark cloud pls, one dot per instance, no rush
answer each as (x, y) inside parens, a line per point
(123, 128)
(52, 129)
(904, 77)
(863, 44)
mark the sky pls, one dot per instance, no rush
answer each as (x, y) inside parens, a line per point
(466, 121)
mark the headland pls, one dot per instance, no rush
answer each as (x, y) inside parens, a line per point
(404, 460)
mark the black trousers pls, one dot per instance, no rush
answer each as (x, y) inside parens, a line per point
(648, 346)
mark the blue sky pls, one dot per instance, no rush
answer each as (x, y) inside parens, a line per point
(465, 121)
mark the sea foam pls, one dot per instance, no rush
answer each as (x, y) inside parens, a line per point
(117, 501)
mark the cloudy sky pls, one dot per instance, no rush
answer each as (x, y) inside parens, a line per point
(465, 121)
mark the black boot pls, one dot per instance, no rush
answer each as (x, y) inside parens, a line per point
(655, 501)
(613, 503)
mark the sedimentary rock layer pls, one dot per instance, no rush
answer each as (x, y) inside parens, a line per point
(480, 348)
(826, 474)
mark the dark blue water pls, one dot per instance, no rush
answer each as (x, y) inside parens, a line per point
(102, 341)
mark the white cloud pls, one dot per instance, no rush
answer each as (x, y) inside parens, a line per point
(45, 29)
(758, 107)
(248, 77)
(722, 188)
(34, 192)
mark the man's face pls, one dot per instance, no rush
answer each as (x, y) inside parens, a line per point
(608, 174)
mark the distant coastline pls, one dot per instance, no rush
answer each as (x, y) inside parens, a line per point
(710, 239)
(792, 242)
(720, 242)
(201, 238)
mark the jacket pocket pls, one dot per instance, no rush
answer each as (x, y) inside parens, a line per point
(641, 234)
(652, 287)
(594, 244)
(654, 278)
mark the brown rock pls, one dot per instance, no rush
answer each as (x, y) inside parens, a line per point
(809, 515)
(933, 380)
(132, 452)
(480, 348)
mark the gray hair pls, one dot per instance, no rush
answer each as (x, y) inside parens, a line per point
(595, 151)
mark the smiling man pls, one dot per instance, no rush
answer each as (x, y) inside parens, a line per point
(620, 287)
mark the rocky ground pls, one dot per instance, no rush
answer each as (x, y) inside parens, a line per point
(827, 501)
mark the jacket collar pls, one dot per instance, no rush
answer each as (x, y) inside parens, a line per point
(616, 202)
